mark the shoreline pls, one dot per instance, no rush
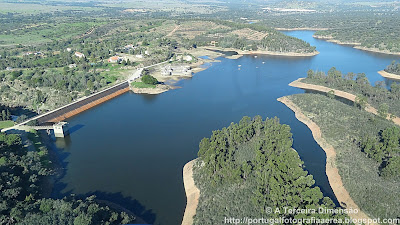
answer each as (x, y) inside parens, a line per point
(332, 171)
(387, 75)
(240, 53)
(162, 87)
(298, 84)
(192, 193)
(300, 28)
(355, 45)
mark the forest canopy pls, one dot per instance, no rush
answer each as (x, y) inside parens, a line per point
(249, 167)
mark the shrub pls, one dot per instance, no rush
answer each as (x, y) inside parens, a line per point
(148, 79)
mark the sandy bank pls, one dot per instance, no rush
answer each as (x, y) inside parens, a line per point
(331, 170)
(261, 52)
(389, 75)
(160, 88)
(355, 45)
(297, 83)
(375, 50)
(192, 193)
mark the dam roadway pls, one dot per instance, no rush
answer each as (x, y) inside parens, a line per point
(76, 107)
(83, 104)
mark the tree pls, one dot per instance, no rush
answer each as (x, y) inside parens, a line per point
(392, 168)
(310, 73)
(21, 118)
(383, 110)
(360, 101)
(4, 115)
(87, 92)
(331, 94)
(90, 85)
(334, 73)
(148, 79)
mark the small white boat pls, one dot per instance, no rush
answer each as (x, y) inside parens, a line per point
(255, 56)
(239, 65)
(263, 62)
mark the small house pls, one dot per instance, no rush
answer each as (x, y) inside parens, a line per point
(79, 55)
(188, 58)
(127, 47)
(115, 59)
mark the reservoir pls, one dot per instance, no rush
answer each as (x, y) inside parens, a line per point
(131, 149)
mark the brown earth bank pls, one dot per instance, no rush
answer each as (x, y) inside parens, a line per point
(192, 193)
(297, 83)
(389, 75)
(355, 45)
(332, 171)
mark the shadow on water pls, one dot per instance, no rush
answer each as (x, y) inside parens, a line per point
(75, 128)
(62, 143)
(133, 205)
(113, 200)
(389, 82)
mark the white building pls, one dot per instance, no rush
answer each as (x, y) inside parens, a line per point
(188, 58)
(177, 70)
(79, 55)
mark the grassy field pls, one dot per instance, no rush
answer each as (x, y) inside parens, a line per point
(142, 85)
(342, 126)
(6, 124)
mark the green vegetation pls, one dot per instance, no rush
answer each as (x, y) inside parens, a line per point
(22, 176)
(142, 85)
(382, 34)
(346, 128)
(6, 124)
(148, 79)
(393, 68)
(386, 101)
(5, 115)
(250, 166)
(385, 150)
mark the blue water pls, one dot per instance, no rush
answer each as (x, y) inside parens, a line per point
(131, 150)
